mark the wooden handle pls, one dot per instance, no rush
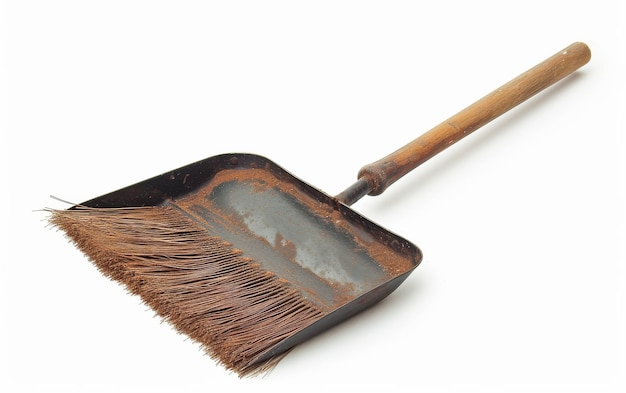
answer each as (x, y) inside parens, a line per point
(381, 174)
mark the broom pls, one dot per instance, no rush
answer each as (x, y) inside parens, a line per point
(207, 288)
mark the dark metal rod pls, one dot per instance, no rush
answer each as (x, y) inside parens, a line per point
(355, 192)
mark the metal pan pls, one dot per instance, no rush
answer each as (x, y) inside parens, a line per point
(337, 259)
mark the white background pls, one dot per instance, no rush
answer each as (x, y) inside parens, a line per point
(522, 224)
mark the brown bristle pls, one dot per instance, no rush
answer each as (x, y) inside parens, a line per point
(200, 284)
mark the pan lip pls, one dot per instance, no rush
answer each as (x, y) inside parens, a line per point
(186, 179)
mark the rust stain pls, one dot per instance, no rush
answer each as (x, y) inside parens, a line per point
(390, 261)
(285, 247)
